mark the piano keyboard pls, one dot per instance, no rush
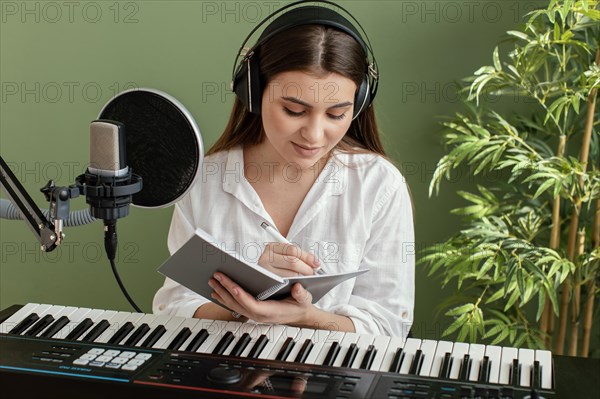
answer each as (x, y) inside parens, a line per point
(441, 360)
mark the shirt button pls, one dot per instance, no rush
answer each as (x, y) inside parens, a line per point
(162, 306)
(404, 315)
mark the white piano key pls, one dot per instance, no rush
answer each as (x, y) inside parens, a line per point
(288, 332)
(115, 322)
(393, 346)
(442, 348)
(74, 319)
(508, 354)
(349, 339)
(334, 336)
(18, 316)
(459, 350)
(244, 328)
(410, 348)
(428, 347)
(195, 326)
(363, 344)
(320, 338)
(494, 353)
(230, 326)
(303, 335)
(545, 359)
(171, 329)
(146, 318)
(97, 316)
(158, 320)
(214, 334)
(526, 359)
(275, 334)
(381, 344)
(476, 354)
(66, 311)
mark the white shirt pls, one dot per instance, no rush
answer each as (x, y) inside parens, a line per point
(357, 215)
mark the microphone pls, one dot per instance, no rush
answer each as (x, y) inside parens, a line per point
(108, 184)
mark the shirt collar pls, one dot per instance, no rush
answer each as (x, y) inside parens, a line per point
(331, 181)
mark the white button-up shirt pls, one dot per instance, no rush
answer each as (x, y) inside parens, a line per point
(357, 214)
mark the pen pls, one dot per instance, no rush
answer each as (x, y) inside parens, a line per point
(279, 238)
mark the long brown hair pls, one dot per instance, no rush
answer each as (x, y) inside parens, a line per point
(314, 49)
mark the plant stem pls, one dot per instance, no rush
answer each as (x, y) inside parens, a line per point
(547, 319)
(587, 318)
(576, 301)
(583, 158)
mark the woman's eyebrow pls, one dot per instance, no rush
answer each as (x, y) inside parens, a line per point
(297, 101)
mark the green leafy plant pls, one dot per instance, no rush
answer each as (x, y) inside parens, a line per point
(528, 253)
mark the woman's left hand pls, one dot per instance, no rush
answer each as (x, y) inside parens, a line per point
(294, 310)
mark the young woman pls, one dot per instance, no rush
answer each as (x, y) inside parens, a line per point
(310, 163)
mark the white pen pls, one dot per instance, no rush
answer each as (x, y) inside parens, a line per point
(279, 238)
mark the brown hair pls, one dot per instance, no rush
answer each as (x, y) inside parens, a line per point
(318, 50)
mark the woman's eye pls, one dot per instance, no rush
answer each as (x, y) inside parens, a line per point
(338, 117)
(292, 113)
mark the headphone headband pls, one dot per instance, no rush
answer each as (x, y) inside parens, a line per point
(246, 78)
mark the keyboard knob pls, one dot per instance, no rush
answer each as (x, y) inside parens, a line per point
(224, 375)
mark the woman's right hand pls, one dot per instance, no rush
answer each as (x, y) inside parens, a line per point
(288, 260)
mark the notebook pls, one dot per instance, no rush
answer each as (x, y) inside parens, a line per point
(200, 257)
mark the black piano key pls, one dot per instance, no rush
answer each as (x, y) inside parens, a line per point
(331, 354)
(304, 351)
(514, 373)
(368, 359)
(183, 335)
(154, 336)
(80, 329)
(40, 325)
(24, 324)
(96, 331)
(417, 362)
(536, 375)
(285, 349)
(446, 366)
(55, 327)
(197, 341)
(350, 355)
(258, 347)
(465, 368)
(397, 361)
(121, 333)
(241, 345)
(137, 335)
(484, 371)
(223, 343)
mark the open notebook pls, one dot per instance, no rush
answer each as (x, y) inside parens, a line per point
(198, 259)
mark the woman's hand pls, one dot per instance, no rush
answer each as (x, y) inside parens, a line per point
(288, 260)
(294, 310)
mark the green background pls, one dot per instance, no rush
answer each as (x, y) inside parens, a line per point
(60, 63)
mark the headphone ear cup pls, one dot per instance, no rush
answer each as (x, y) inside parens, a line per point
(247, 84)
(362, 98)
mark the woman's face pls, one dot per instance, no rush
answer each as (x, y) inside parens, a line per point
(304, 116)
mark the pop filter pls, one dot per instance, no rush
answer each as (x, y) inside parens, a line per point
(163, 144)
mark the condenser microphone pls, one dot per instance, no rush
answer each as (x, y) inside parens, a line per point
(108, 184)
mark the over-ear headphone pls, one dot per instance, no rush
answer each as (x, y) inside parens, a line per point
(246, 80)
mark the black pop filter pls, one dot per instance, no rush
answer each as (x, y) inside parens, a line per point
(163, 144)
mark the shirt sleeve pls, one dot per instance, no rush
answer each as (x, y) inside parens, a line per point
(382, 303)
(173, 298)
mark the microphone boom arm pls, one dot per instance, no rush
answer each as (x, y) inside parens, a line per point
(48, 233)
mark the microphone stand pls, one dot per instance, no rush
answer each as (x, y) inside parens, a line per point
(49, 234)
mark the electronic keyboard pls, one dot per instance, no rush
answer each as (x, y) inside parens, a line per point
(107, 352)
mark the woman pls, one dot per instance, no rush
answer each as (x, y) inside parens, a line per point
(307, 160)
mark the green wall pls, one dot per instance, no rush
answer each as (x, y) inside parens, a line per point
(60, 62)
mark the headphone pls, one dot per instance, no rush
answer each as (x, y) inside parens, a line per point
(246, 79)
